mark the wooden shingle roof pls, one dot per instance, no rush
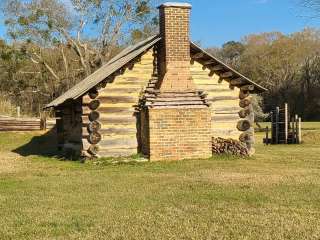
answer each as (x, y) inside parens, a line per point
(129, 54)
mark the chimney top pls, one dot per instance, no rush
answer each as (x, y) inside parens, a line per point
(176, 5)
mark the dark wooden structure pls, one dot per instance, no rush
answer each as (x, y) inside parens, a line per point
(284, 128)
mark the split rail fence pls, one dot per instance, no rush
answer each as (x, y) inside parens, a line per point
(25, 124)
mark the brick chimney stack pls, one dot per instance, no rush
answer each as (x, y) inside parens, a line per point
(176, 118)
(174, 57)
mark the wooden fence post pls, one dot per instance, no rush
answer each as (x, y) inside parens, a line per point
(43, 121)
(18, 111)
(293, 130)
(277, 124)
(299, 131)
(286, 123)
(296, 119)
(272, 128)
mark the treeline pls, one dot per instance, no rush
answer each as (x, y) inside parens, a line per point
(287, 65)
(53, 44)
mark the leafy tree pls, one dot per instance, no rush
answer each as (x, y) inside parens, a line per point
(309, 88)
(275, 60)
(287, 65)
(231, 52)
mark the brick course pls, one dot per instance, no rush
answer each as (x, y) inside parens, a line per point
(174, 56)
(177, 134)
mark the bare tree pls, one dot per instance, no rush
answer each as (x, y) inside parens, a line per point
(66, 40)
(52, 22)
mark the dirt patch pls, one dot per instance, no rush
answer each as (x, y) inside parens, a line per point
(311, 137)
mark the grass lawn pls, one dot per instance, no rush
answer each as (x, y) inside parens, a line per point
(273, 195)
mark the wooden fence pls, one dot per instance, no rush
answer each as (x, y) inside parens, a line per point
(25, 124)
(284, 129)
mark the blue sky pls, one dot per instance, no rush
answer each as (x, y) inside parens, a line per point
(215, 22)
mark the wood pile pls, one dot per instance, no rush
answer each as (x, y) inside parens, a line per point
(229, 146)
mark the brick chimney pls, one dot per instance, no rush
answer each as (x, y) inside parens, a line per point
(174, 56)
(176, 119)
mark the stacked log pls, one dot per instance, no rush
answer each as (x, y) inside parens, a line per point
(246, 114)
(243, 125)
(91, 126)
(229, 146)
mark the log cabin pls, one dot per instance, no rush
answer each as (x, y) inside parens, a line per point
(165, 98)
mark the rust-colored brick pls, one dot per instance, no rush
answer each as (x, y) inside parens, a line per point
(177, 134)
(174, 55)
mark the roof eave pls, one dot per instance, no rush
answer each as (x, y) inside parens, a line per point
(133, 53)
(258, 88)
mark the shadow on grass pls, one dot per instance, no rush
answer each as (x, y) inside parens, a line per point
(44, 145)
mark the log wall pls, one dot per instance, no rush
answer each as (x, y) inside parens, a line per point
(224, 102)
(113, 127)
(118, 118)
(69, 128)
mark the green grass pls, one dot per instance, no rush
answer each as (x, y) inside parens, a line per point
(273, 195)
(305, 125)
